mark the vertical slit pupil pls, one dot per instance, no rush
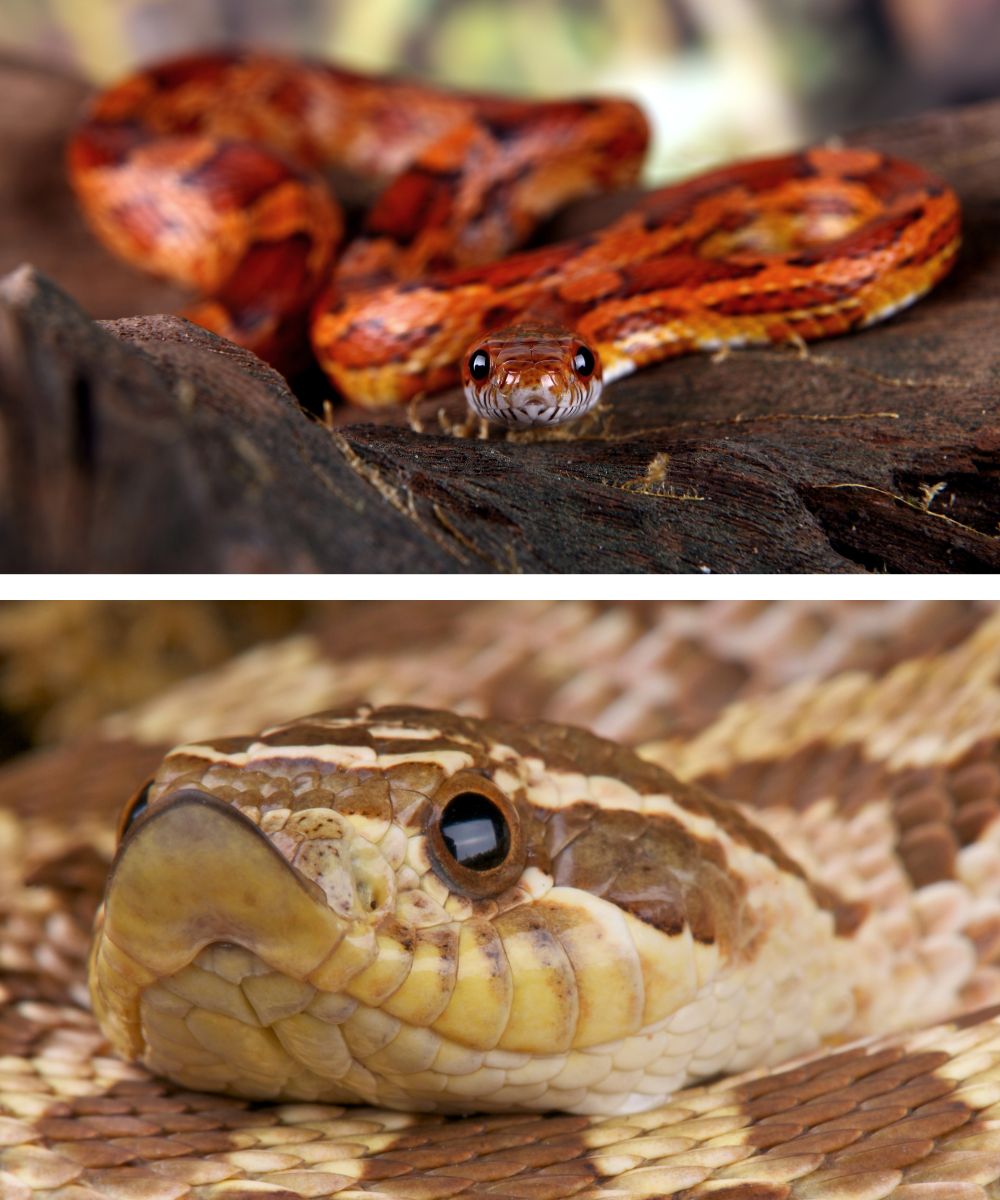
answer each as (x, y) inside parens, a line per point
(475, 832)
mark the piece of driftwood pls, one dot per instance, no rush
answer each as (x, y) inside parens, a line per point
(146, 444)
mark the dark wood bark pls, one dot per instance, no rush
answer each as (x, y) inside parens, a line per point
(146, 444)
(168, 449)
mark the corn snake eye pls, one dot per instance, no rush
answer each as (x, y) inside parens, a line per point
(584, 361)
(479, 365)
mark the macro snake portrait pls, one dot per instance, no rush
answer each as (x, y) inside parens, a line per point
(396, 951)
(214, 171)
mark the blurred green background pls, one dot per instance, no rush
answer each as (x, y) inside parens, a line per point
(719, 78)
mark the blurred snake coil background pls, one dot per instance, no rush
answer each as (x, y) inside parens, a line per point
(720, 79)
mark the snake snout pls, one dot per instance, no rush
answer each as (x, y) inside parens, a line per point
(192, 870)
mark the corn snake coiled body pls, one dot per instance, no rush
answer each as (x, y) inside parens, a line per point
(206, 169)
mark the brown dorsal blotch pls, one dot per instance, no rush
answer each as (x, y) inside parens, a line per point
(568, 748)
(650, 866)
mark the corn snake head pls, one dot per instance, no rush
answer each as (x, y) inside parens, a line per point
(531, 374)
(208, 170)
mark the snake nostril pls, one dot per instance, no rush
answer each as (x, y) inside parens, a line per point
(584, 362)
(479, 365)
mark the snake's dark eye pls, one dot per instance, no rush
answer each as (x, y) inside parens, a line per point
(479, 364)
(583, 360)
(475, 832)
(475, 836)
(138, 804)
